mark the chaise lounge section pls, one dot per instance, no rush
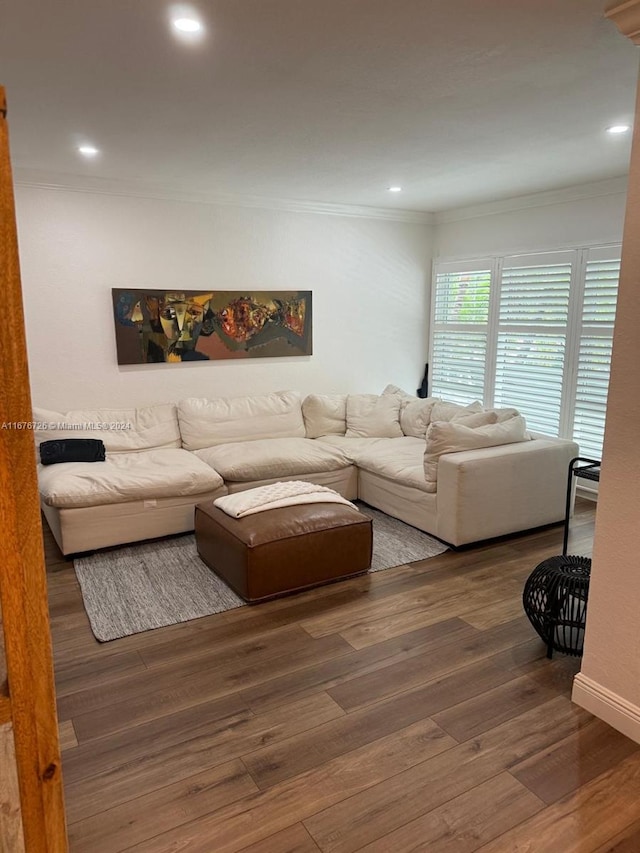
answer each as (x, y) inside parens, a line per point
(146, 487)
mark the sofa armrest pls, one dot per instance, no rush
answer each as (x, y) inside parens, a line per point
(499, 490)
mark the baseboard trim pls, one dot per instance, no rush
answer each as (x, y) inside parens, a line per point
(587, 493)
(613, 709)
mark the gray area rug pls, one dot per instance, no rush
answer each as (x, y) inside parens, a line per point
(139, 587)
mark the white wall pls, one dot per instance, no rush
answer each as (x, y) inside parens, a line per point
(543, 222)
(369, 280)
(609, 682)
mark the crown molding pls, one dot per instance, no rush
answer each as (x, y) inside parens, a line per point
(36, 179)
(611, 186)
(626, 17)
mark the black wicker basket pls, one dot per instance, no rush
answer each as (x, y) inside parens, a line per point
(555, 601)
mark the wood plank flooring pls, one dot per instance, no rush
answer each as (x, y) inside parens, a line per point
(409, 710)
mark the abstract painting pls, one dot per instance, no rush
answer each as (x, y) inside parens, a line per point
(155, 326)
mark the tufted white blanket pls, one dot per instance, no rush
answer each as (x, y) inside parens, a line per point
(291, 493)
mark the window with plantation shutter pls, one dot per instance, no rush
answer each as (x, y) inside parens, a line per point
(531, 337)
(594, 352)
(459, 338)
(530, 331)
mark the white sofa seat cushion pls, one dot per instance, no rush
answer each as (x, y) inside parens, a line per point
(352, 447)
(398, 459)
(453, 437)
(205, 423)
(126, 477)
(373, 416)
(121, 430)
(268, 458)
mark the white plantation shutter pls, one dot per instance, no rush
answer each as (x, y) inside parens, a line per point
(594, 351)
(530, 331)
(531, 337)
(459, 334)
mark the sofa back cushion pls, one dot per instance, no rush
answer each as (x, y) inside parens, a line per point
(444, 411)
(325, 414)
(415, 416)
(474, 419)
(455, 436)
(505, 414)
(206, 423)
(373, 416)
(121, 430)
(394, 389)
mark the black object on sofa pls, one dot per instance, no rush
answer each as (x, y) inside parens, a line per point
(72, 450)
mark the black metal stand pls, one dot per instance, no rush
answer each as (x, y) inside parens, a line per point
(589, 471)
(556, 592)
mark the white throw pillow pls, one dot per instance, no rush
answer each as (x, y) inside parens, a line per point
(415, 416)
(477, 419)
(443, 411)
(325, 414)
(505, 414)
(393, 389)
(373, 416)
(453, 437)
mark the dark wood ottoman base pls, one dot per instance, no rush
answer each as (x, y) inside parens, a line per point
(284, 550)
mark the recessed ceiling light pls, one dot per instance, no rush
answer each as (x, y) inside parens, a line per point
(187, 25)
(88, 150)
(395, 189)
(618, 128)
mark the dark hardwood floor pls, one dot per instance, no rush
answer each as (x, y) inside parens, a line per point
(409, 710)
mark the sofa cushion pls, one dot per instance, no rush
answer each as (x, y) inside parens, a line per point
(415, 416)
(123, 477)
(394, 389)
(444, 411)
(452, 437)
(121, 430)
(350, 447)
(504, 414)
(206, 423)
(397, 459)
(373, 416)
(477, 419)
(325, 414)
(267, 458)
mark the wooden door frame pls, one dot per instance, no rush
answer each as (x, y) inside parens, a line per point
(30, 704)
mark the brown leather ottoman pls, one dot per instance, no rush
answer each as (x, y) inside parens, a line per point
(284, 550)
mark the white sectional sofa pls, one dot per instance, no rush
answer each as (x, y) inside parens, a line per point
(462, 474)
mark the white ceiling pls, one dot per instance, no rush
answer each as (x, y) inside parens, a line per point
(330, 101)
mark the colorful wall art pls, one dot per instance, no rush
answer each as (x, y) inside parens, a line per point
(155, 326)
